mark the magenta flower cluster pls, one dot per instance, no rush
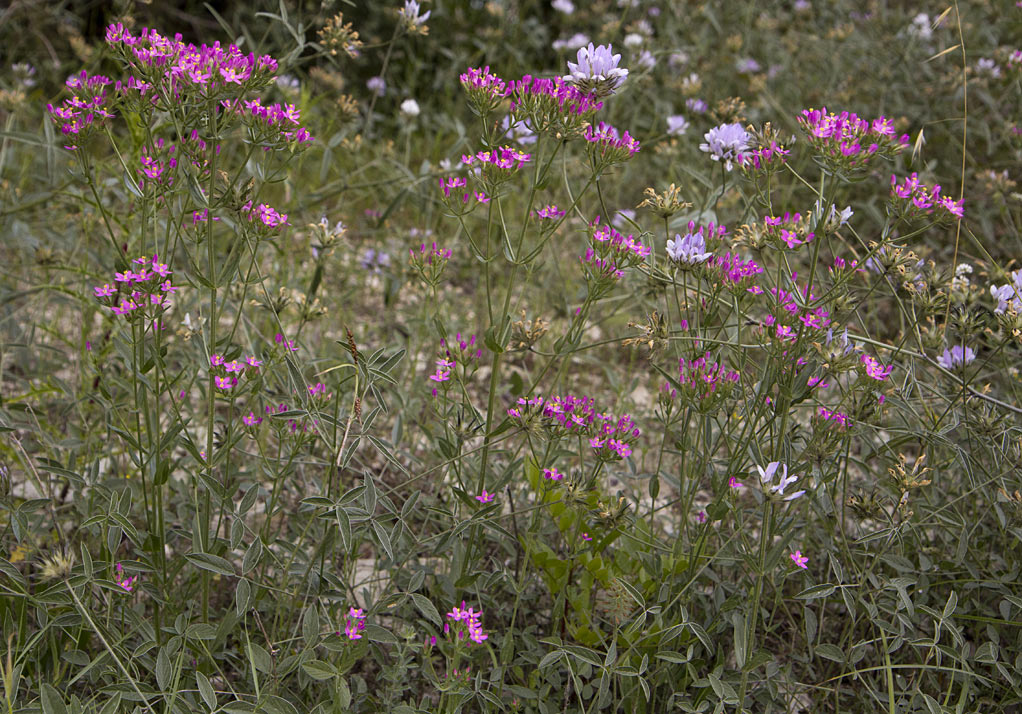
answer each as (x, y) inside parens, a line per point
(465, 623)
(226, 372)
(354, 623)
(279, 119)
(127, 583)
(146, 288)
(184, 67)
(702, 379)
(914, 199)
(610, 252)
(763, 157)
(610, 144)
(85, 112)
(265, 214)
(847, 140)
(609, 437)
(787, 229)
(735, 272)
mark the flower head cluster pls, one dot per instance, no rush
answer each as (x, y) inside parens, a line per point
(596, 70)
(705, 383)
(763, 158)
(913, 199)
(182, 73)
(1008, 295)
(610, 253)
(465, 625)
(354, 623)
(874, 369)
(413, 19)
(485, 90)
(146, 290)
(274, 126)
(691, 248)
(552, 106)
(766, 477)
(832, 415)
(726, 143)
(84, 114)
(157, 165)
(459, 352)
(429, 262)
(265, 214)
(496, 166)
(607, 146)
(549, 212)
(226, 372)
(955, 357)
(609, 437)
(735, 272)
(846, 142)
(789, 230)
(126, 583)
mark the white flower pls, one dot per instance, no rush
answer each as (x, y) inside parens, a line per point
(410, 107)
(633, 39)
(565, 6)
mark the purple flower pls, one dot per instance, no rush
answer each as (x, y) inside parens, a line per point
(485, 497)
(957, 356)
(377, 86)
(696, 105)
(596, 70)
(410, 13)
(800, 560)
(766, 476)
(725, 142)
(1008, 294)
(691, 249)
(677, 125)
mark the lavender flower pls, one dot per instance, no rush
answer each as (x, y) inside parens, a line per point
(766, 476)
(596, 70)
(677, 125)
(957, 356)
(571, 43)
(725, 142)
(377, 86)
(410, 14)
(696, 105)
(565, 6)
(1008, 294)
(691, 249)
(521, 131)
(373, 261)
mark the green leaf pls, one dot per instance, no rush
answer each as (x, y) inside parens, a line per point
(375, 633)
(319, 670)
(816, 591)
(213, 563)
(310, 626)
(206, 690)
(164, 670)
(831, 652)
(427, 608)
(51, 700)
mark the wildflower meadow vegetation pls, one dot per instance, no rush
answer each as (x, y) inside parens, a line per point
(511, 356)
